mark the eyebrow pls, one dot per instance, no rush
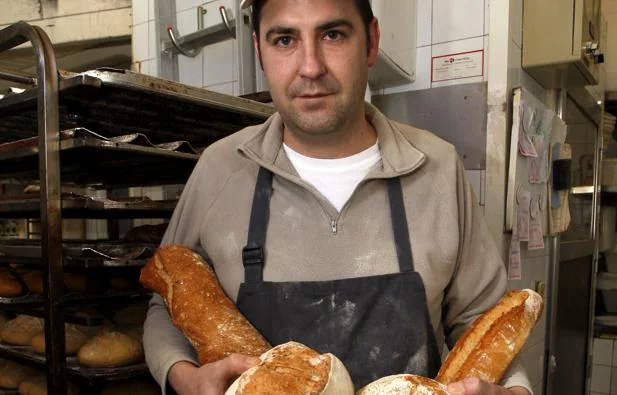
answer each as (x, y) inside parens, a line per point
(286, 30)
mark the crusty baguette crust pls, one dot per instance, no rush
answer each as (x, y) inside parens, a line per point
(404, 384)
(198, 305)
(489, 345)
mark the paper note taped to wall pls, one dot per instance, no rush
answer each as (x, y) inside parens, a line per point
(457, 66)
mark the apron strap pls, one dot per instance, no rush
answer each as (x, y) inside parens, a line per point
(253, 252)
(399, 225)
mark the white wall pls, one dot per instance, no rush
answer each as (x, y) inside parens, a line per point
(145, 48)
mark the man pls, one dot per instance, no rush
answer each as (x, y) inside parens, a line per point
(361, 236)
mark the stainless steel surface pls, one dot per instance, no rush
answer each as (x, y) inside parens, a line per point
(191, 53)
(200, 38)
(570, 250)
(164, 16)
(226, 22)
(247, 78)
(456, 113)
(49, 171)
(117, 102)
(88, 207)
(16, 76)
(105, 160)
(551, 302)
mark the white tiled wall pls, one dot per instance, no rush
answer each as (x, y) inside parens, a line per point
(145, 47)
(604, 369)
(216, 65)
(446, 27)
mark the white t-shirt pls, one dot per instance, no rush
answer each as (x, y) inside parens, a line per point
(336, 179)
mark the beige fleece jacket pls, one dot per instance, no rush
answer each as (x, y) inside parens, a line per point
(308, 239)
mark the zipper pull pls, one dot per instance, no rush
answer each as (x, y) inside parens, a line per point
(334, 227)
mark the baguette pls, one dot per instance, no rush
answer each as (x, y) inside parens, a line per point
(293, 368)
(404, 384)
(489, 345)
(198, 305)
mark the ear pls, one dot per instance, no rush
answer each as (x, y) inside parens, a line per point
(373, 44)
(257, 50)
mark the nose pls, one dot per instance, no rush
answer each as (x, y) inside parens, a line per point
(312, 65)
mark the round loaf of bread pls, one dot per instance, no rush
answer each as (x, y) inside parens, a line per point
(404, 384)
(75, 338)
(293, 368)
(38, 386)
(34, 281)
(110, 349)
(20, 330)
(9, 286)
(12, 374)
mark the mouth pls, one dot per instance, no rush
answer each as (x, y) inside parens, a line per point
(313, 95)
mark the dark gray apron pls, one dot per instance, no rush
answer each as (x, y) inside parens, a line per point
(376, 325)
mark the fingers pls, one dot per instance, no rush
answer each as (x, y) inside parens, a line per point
(234, 365)
(473, 386)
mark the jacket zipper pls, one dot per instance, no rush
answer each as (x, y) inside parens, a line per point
(334, 227)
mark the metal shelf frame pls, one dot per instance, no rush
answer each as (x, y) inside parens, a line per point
(49, 176)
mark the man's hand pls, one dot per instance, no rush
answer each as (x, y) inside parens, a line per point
(479, 387)
(210, 379)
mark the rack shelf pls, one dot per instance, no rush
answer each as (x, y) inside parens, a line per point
(120, 102)
(24, 355)
(88, 207)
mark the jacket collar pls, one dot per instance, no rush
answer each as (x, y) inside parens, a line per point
(398, 155)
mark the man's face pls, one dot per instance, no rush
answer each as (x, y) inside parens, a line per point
(314, 56)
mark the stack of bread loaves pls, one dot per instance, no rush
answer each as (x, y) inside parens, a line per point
(201, 310)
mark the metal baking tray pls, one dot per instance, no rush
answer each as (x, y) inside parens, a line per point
(31, 304)
(77, 206)
(32, 308)
(89, 160)
(86, 254)
(117, 102)
(24, 355)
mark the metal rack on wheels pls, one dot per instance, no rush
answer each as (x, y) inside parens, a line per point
(103, 128)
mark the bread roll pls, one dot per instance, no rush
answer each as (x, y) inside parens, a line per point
(293, 368)
(489, 345)
(12, 374)
(199, 307)
(404, 384)
(9, 286)
(110, 349)
(75, 338)
(20, 330)
(38, 386)
(34, 281)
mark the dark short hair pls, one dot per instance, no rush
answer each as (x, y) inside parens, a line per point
(363, 6)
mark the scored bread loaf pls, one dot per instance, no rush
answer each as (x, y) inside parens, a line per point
(293, 368)
(110, 348)
(9, 286)
(404, 384)
(198, 305)
(20, 330)
(38, 386)
(489, 345)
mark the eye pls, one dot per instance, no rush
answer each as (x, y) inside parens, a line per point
(283, 41)
(334, 35)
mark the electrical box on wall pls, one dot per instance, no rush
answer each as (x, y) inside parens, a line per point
(561, 41)
(397, 50)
